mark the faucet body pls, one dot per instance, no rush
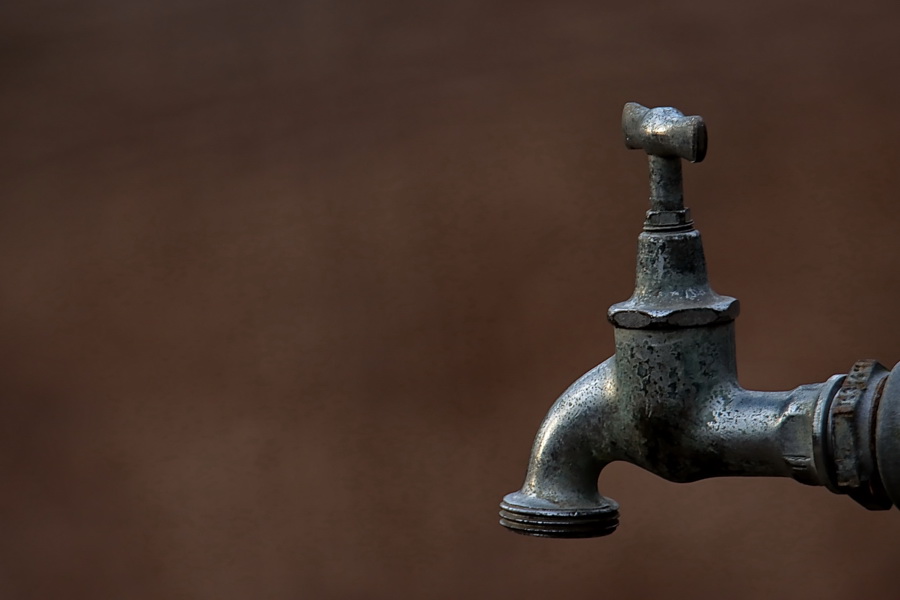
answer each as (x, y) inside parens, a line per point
(669, 400)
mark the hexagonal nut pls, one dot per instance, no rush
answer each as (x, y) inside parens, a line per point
(668, 219)
(627, 317)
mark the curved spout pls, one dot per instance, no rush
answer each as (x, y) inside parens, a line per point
(560, 496)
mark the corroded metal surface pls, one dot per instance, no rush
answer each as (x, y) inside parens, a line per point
(851, 444)
(669, 400)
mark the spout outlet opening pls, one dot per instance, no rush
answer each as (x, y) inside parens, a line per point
(529, 515)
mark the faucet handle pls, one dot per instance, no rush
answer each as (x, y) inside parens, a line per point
(664, 131)
(667, 136)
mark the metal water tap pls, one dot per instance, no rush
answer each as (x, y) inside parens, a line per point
(669, 400)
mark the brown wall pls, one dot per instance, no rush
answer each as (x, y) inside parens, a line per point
(288, 286)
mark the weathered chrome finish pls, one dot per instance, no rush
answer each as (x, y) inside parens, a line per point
(669, 400)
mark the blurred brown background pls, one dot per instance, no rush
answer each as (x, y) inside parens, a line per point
(287, 287)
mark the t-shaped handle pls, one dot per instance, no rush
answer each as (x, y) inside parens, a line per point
(667, 136)
(664, 131)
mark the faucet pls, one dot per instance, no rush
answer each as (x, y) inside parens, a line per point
(669, 400)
